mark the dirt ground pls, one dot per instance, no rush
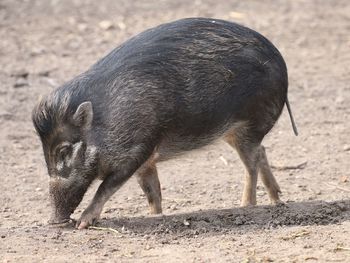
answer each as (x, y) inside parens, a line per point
(45, 43)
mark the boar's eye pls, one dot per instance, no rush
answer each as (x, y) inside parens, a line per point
(63, 153)
(63, 156)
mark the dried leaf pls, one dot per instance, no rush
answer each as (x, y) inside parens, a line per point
(302, 233)
(290, 167)
(105, 229)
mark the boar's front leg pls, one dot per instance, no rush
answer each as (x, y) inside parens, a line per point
(107, 188)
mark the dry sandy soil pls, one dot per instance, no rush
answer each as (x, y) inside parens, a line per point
(45, 43)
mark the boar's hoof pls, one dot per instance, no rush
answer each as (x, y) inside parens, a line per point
(87, 219)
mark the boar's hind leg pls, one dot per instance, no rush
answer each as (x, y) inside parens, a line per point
(254, 158)
(147, 177)
(267, 177)
(249, 153)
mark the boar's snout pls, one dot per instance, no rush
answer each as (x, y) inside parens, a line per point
(59, 202)
(65, 197)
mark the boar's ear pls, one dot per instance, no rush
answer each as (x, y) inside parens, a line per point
(83, 115)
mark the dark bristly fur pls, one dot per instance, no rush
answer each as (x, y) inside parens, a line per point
(170, 89)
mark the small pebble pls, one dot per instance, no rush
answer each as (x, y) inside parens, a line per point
(106, 24)
(44, 73)
(21, 82)
(342, 206)
(121, 25)
(22, 73)
(346, 147)
(148, 247)
(82, 27)
(238, 221)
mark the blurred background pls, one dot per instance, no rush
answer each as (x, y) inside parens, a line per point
(44, 43)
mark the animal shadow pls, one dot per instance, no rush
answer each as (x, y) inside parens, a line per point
(227, 220)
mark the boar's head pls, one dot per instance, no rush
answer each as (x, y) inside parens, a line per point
(71, 162)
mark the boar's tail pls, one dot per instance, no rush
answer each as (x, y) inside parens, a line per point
(291, 117)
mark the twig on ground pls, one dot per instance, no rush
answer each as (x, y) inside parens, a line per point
(341, 248)
(302, 233)
(289, 167)
(311, 258)
(105, 229)
(223, 160)
(338, 187)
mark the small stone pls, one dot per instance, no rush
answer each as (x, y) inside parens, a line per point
(106, 25)
(339, 100)
(22, 73)
(148, 247)
(21, 82)
(121, 25)
(236, 15)
(344, 179)
(44, 73)
(342, 206)
(328, 211)
(36, 51)
(52, 82)
(186, 223)
(72, 21)
(346, 147)
(267, 259)
(173, 207)
(74, 45)
(238, 221)
(82, 27)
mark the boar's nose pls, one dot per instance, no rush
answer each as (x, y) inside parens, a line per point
(61, 210)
